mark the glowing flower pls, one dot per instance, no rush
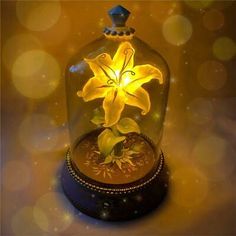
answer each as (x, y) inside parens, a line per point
(119, 82)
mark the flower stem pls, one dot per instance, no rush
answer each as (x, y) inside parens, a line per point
(119, 146)
(115, 130)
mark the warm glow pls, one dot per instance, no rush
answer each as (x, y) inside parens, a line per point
(38, 15)
(119, 82)
(13, 180)
(53, 213)
(126, 81)
(38, 133)
(22, 217)
(117, 73)
(16, 45)
(177, 30)
(36, 74)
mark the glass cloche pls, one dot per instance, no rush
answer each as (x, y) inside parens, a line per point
(117, 91)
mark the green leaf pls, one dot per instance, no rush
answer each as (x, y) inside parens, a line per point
(98, 116)
(108, 159)
(107, 140)
(97, 120)
(127, 125)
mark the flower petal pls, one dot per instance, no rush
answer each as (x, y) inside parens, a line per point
(140, 99)
(102, 66)
(113, 105)
(124, 58)
(94, 88)
(143, 74)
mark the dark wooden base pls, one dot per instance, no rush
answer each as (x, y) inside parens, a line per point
(115, 202)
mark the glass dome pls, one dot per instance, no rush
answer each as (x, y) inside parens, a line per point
(117, 90)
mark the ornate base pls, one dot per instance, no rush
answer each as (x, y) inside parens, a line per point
(115, 202)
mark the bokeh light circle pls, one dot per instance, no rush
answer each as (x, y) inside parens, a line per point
(57, 109)
(212, 75)
(210, 150)
(62, 139)
(177, 30)
(213, 19)
(15, 175)
(200, 111)
(215, 156)
(224, 48)
(23, 223)
(198, 4)
(38, 133)
(36, 74)
(38, 15)
(53, 212)
(189, 186)
(58, 33)
(161, 10)
(16, 45)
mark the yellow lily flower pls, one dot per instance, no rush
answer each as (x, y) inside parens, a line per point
(119, 82)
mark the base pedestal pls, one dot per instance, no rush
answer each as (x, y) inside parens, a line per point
(115, 202)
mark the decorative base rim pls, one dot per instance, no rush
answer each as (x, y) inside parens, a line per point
(113, 188)
(118, 202)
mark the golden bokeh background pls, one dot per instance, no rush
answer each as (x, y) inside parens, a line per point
(198, 40)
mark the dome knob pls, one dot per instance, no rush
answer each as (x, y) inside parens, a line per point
(119, 16)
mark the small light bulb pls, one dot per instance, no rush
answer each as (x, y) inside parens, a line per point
(125, 81)
(117, 72)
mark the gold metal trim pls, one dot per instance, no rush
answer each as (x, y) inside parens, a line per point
(111, 190)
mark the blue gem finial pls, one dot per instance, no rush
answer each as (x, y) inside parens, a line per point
(119, 16)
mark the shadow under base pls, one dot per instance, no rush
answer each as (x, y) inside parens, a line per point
(115, 202)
